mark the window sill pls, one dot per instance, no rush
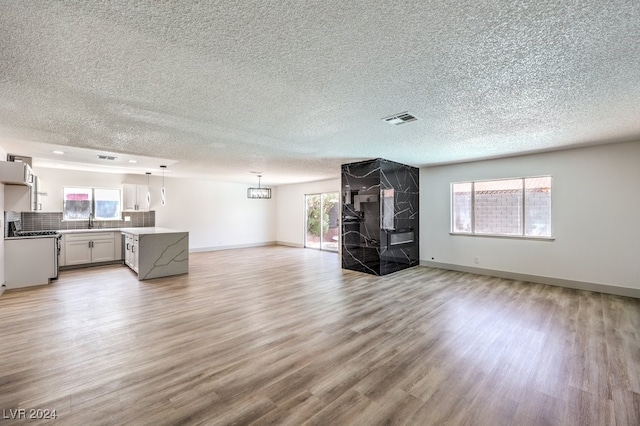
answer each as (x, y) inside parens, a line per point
(511, 237)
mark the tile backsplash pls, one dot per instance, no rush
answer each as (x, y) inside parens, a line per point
(32, 221)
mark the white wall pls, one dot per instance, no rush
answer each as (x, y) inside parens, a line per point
(3, 155)
(291, 209)
(595, 217)
(217, 214)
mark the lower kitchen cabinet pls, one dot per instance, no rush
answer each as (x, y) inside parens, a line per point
(131, 244)
(30, 261)
(89, 247)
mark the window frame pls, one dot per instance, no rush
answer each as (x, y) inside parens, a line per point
(93, 204)
(523, 215)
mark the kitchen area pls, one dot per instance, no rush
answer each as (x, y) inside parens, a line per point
(39, 244)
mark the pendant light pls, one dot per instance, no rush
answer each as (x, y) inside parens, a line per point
(259, 192)
(163, 196)
(148, 191)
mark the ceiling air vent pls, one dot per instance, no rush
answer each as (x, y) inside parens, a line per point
(400, 118)
(106, 157)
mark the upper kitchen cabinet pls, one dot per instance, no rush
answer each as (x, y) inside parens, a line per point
(18, 198)
(16, 173)
(22, 186)
(135, 197)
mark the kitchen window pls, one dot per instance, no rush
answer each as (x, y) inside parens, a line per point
(80, 203)
(518, 207)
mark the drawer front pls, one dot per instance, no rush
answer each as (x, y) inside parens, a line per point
(89, 236)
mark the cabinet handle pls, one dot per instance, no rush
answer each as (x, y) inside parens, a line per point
(133, 249)
(127, 246)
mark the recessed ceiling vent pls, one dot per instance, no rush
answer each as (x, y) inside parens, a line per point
(106, 157)
(400, 118)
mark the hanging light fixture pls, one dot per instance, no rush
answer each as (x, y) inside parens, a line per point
(259, 192)
(148, 190)
(163, 196)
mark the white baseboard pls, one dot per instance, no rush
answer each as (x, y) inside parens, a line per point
(558, 282)
(232, 247)
(284, 243)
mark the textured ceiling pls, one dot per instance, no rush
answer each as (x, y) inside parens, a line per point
(294, 89)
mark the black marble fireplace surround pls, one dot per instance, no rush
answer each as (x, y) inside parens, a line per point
(379, 216)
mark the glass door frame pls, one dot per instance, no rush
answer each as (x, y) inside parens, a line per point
(322, 245)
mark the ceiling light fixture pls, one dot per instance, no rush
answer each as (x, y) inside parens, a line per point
(259, 192)
(132, 161)
(163, 196)
(148, 190)
(58, 152)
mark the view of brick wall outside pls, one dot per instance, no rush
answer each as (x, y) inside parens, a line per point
(499, 210)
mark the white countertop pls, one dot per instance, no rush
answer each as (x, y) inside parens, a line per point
(150, 230)
(133, 231)
(78, 231)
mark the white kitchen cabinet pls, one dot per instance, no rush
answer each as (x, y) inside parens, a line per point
(36, 195)
(16, 173)
(30, 261)
(18, 198)
(103, 250)
(134, 197)
(89, 247)
(131, 243)
(77, 252)
(22, 198)
(62, 256)
(128, 240)
(21, 189)
(117, 241)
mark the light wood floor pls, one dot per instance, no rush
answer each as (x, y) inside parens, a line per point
(279, 335)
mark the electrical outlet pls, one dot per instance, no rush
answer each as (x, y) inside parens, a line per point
(127, 218)
(476, 261)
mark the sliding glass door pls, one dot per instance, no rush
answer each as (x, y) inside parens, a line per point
(322, 220)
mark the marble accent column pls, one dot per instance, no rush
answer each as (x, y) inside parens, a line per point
(379, 216)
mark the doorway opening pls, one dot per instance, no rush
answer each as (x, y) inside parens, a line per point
(322, 221)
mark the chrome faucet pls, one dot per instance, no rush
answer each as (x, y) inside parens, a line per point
(90, 220)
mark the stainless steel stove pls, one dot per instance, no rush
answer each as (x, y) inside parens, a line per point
(35, 233)
(16, 232)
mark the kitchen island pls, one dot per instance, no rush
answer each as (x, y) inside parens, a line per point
(156, 252)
